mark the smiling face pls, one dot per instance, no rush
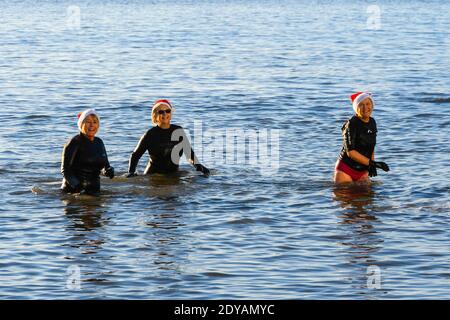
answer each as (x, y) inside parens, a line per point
(365, 109)
(90, 127)
(163, 115)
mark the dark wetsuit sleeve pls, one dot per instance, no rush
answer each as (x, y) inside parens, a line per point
(190, 154)
(349, 135)
(67, 162)
(107, 165)
(138, 152)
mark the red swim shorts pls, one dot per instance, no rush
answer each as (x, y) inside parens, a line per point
(354, 174)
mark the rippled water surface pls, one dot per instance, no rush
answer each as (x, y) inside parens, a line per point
(246, 231)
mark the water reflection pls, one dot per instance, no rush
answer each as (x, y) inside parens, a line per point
(85, 221)
(152, 238)
(162, 186)
(360, 239)
(85, 212)
(165, 235)
(87, 235)
(355, 198)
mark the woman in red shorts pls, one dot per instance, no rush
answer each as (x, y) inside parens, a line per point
(356, 160)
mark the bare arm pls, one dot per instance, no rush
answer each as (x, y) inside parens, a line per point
(358, 157)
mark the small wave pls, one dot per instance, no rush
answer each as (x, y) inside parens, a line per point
(36, 116)
(217, 274)
(436, 100)
(20, 192)
(241, 221)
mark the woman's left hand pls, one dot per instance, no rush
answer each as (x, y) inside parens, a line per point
(203, 169)
(379, 164)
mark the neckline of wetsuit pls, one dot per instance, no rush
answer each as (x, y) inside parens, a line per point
(356, 116)
(83, 136)
(163, 128)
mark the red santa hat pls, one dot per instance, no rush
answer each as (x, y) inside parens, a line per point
(358, 97)
(161, 102)
(83, 115)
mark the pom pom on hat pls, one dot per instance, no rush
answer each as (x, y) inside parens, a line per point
(358, 97)
(83, 115)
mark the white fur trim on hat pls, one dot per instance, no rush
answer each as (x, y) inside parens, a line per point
(86, 113)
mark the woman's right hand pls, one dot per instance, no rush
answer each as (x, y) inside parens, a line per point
(109, 172)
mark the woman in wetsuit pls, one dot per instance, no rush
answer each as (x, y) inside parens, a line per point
(84, 157)
(165, 143)
(356, 160)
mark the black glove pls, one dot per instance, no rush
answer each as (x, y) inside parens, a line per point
(382, 165)
(130, 174)
(202, 168)
(372, 170)
(109, 172)
(74, 183)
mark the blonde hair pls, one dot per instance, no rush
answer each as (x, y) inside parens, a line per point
(154, 116)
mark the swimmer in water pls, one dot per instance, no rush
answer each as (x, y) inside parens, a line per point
(165, 143)
(356, 160)
(84, 157)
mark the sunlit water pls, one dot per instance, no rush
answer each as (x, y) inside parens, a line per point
(244, 232)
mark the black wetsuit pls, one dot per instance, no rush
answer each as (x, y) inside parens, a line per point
(82, 161)
(158, 142)
(360, 136)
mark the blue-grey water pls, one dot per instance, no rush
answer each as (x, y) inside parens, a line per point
(244, 232)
